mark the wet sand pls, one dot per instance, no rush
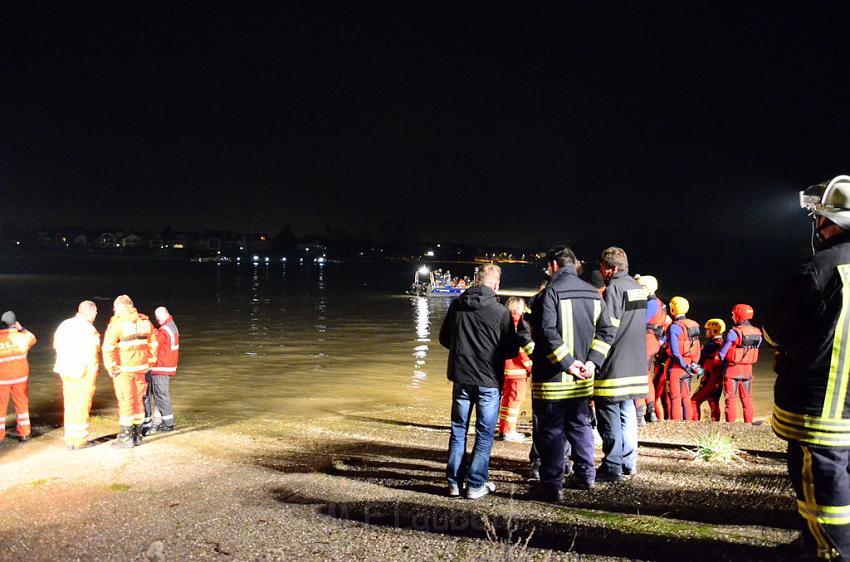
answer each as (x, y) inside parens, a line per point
(370, 485)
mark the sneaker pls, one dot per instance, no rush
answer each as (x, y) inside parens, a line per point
(454, 491)
(576, 483)
(513, 437)
(629, 472)
(481, 491)
(605, 476)
(165, 428)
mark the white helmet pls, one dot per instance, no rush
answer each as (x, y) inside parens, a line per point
(829, 199)
(648, 282)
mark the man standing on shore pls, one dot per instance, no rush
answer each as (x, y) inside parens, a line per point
(480, 335)
(623, 376)
(77, 344)
(572, 334)
(158, 378)
(809, 323)
(15, 343)
(129, 351)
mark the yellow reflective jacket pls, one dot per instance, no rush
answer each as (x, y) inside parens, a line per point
(129, 343)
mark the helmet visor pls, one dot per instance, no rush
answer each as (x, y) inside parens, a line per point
(812, 197)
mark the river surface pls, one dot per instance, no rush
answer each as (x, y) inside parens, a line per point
(264, 341)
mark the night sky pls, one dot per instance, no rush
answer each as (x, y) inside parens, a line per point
(531, 125)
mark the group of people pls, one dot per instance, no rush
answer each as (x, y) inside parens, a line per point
(581, 345)
(139, 358)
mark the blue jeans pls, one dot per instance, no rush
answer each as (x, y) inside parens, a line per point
(618, 428)
(474, 469)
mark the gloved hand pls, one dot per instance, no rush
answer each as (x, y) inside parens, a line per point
(695, 370)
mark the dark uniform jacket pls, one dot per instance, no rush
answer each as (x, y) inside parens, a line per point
(623, 377)
(809, 321)
(479, 333)
(569, 322)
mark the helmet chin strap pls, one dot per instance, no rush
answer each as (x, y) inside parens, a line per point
(814, 237)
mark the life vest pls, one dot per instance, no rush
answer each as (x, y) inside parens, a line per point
(14, 345)
(689, 346)
(168, 350)
(129, 343)
(745, 350)
(655, 325)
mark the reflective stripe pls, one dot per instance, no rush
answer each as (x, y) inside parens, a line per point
(597, 310)
(808, 485)
(839, 366)
(615, 322)
(824, 514)
(558, 354)
(168, 417)
(511, 372)
(24, 416)
(134, 369)
(567, 332)
(125, 420)
(164, 369)
(625, 386)
(600, 346)
(528, 348)
(108, 347)
(811, 430)
(12, 358)
(624, 381)
(567, 387)
(13, 381)
(23, 422)
(133, 343)
(174, 347)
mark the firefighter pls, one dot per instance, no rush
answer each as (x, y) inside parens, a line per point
(129, 351)
(807, 322)
(656, 312)
(739, 353)
(572, 334)
(711, 385)
(77, 345)
(623, 377)
(15, 342)
(683, 348)
(517, 371)
(158, 378)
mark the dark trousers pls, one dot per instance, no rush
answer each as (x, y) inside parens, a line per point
(560, 422)
(534, 453)
(822, 483)
(158, 393)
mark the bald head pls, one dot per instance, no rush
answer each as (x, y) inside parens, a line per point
(88, 310)
(122, 304)
(161, 314)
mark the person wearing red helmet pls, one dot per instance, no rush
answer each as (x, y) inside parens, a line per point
(739, 353)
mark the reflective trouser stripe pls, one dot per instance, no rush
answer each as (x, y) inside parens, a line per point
(809, 495)
(810, 430)
(839, 366)
(567, 387)
(625, 386)
(168, 417)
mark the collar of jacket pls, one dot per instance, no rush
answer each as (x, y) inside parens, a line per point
(566, 270)
(618, 275)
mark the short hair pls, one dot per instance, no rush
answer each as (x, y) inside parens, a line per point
(87, 306)
(123, 300)
(615, 257)
(161, 309)
(488, 272)
(515, 301)
(561, 255)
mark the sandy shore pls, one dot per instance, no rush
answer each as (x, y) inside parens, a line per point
(370, 486)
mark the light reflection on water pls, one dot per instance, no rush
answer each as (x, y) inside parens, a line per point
(263, 341)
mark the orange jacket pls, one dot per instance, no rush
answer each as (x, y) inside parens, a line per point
(14, 345)
(129, 344)
(168, 350)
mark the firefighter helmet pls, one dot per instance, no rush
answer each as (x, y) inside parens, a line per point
(648, 282)
(741, 312)
(714, 327)
(829, 199)
(679, 305)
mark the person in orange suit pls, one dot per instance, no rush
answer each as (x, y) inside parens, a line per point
(129, 352)
(77, 345)
(515, 387)
(15, 342)
(712, 381)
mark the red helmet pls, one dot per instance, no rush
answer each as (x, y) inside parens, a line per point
(741, 312)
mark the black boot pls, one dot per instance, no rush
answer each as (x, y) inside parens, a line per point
(124, 439)
(651, 416)
(137, 435)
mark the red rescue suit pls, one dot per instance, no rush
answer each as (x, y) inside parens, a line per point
(712, 380)
(654, 333)
(14, 377)
(738, 375)
(514, 389)
(678, 379)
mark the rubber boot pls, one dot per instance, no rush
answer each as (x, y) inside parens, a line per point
(651, 417)
(124, 439)
(137, 435)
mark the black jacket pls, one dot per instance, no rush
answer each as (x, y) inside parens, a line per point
(623, 376)
(569, 322)
(809, 321)
(479, 333)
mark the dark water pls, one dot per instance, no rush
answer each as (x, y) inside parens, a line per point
(262, 341)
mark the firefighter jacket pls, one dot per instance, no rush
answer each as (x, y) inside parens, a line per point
(129, 343)
(479, 333)
(569, 322)
(623, 376)
(77, 346)
(168, 349)
(809, 322)
(14, 345)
